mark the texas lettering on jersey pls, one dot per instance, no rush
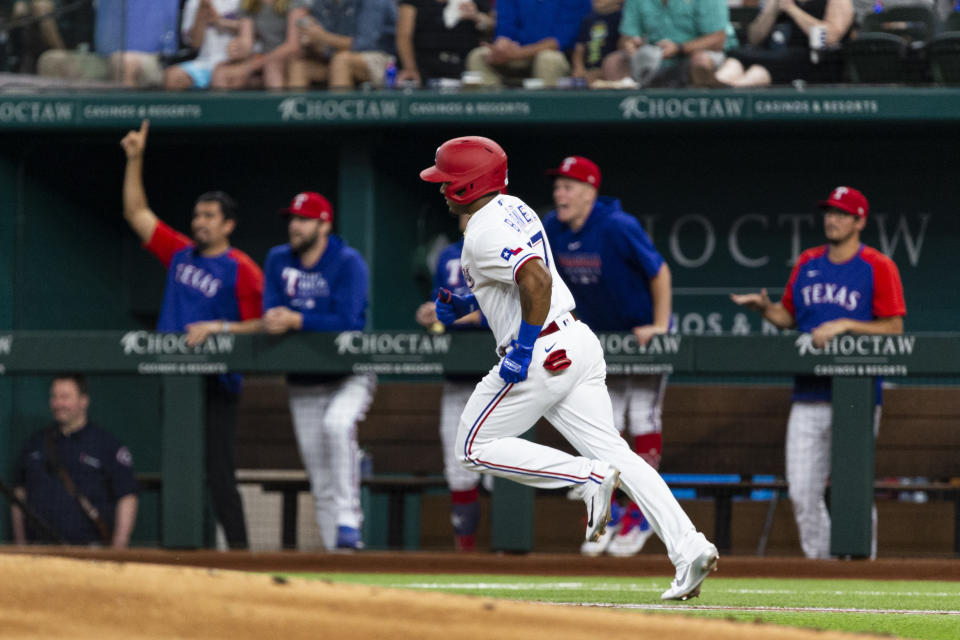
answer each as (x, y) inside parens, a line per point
(198, 278)
(830, 293)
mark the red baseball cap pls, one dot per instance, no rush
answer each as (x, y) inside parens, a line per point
(309, 204)
(578, 168)
(846, 199)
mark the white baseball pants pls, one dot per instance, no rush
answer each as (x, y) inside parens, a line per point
(637, 403)
(325, 418)
(576, 403)
(456, 393)
(808, 469)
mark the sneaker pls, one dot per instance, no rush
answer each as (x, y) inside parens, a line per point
(598, 504)
(593, 549)
(633, 535)
(691, 575)
(349, 538)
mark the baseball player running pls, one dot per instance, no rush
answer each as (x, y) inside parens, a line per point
(620, 283)
(843, 286)
(318, 283)
(551, 365)
(463, 482)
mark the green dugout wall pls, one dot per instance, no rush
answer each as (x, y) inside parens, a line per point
(725, 182)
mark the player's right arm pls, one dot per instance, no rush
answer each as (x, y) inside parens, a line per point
(136, 211)
(773, 312)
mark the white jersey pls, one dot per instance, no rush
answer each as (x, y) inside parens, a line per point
(500, 238)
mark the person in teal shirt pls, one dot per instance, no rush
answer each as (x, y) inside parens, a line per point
(663, 42)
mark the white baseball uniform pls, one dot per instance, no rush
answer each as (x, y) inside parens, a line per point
(500, 238)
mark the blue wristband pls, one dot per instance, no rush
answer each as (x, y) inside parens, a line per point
(528, 333)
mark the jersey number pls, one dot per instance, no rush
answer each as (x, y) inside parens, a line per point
(536, 239)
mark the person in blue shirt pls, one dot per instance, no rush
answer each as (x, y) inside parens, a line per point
(531, 40)
(463, 482)
(97, 464)
(620, 283)
(316, 282)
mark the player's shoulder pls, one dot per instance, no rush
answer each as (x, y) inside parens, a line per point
(876, 257)
(244, 262)
(279, 252)
(812, 253)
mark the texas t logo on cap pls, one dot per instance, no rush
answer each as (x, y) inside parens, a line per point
(310, 204)
(578, 168)
(848, 200)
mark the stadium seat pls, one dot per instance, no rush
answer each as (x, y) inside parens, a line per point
(913, 24)
(943, 52)
(877, 58)
(740, 18)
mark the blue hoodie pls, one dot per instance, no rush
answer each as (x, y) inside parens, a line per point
(607, 265)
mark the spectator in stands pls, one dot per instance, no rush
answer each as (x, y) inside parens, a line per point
(434, 37)
(208, 27)
(129, 39)
(463, 482)
(370, 51)
(76, 477)
(779, 50)
(211, 288)
(662, 43)
(841, 287)
(318, 283)
(531, 41)
(599, 33)
(260, 54)
(36, 37)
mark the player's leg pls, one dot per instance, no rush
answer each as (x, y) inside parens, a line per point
(644, 410)
(347, 407)
(618, 387)
(585, 418)
(221, 459)
(464, 506)
(308, 404)
(499, 412)
(808, 467)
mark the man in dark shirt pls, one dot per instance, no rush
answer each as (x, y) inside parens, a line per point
(75, 452)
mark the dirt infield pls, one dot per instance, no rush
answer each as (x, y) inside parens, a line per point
(55, 597)
(526, 564)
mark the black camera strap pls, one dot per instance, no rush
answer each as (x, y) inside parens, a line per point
(91, 511)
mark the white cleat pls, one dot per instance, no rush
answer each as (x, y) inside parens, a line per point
(598, 505)
(630, 543)
(594, 549)
(690, 576)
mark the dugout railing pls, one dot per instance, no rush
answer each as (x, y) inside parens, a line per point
(852, 361)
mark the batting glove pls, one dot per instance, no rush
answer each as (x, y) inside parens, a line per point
(513, 367)
(451, 306)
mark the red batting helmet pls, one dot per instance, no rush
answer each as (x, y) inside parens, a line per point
(473, 165)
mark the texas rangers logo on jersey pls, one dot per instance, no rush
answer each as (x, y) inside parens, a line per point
(199, 279)
(830, 293)
(304, 284)
(508, 253)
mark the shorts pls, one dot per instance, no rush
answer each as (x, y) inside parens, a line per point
(200, 71)
(376, 62)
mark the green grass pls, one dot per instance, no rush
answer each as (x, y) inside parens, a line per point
(869, 606)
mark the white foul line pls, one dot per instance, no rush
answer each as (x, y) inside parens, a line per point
(673, 607)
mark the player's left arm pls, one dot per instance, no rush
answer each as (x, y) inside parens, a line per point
(535, 284)
(889, 306)
(249, 292)
(662, 298)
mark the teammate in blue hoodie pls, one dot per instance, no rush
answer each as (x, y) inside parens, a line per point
(620, 283)
(318, 283)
